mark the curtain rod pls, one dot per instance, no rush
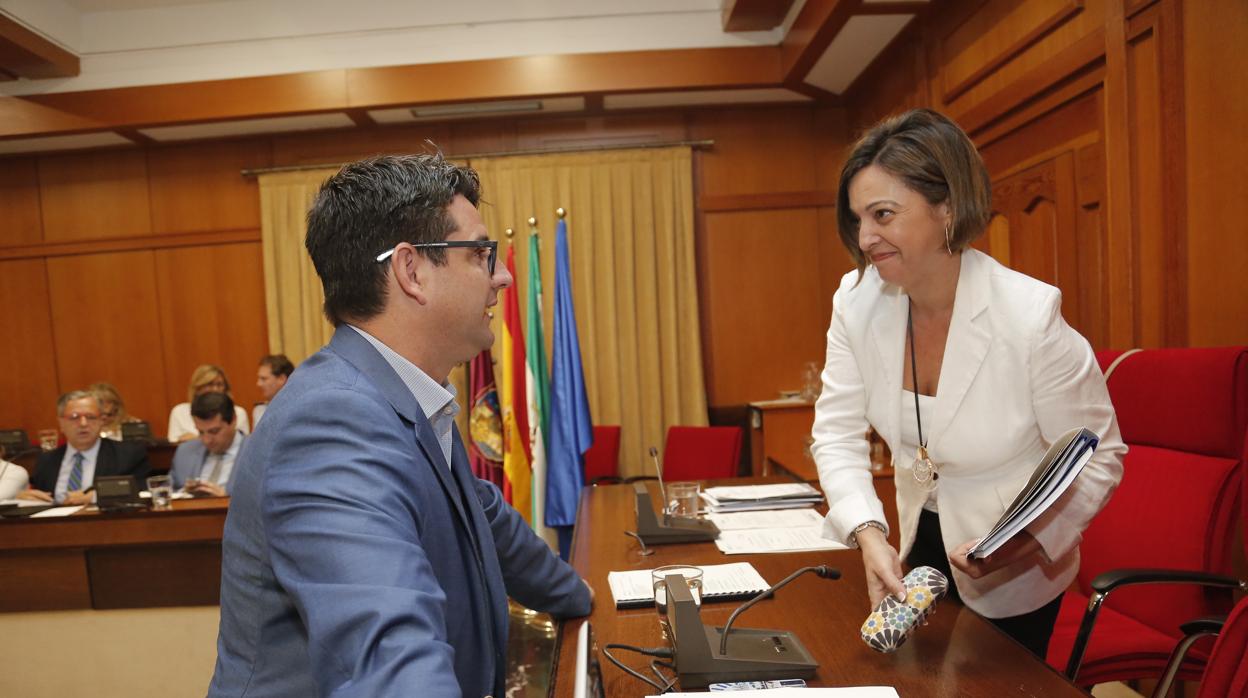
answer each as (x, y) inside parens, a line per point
(697, 145)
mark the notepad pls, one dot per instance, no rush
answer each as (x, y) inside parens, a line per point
(760, 497)
(731, 582)
(1061, 464)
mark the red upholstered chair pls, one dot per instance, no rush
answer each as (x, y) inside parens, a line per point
(602, 460)
(1227, 673)
(701, 453)
(1183, 414)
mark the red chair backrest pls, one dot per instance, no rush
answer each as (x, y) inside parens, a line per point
(1183, 414)
(1226, 674)
(603, 457)
(701, 453)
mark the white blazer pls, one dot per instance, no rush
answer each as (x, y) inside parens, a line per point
(1014, 378)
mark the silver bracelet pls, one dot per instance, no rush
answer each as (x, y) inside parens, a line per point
(853, 535)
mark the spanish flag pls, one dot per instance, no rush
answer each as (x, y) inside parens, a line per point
(517, 458)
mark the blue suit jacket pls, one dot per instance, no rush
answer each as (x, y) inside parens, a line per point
(356, 562)
(188, 461)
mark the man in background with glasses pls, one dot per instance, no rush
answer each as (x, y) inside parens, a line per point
(360, 556)
(67, 474)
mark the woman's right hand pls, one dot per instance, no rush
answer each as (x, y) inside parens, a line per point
(882, 565)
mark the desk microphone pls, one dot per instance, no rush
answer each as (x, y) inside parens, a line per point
(750, 654)
(655, 530)
(821, 570)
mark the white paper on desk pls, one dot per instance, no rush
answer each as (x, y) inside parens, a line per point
(56, 511)
(775, 540)
(772, 518)
(844, 692)
(756, 492)
(731, 579)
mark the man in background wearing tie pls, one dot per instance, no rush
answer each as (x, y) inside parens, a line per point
(205, 466)
(67, 474)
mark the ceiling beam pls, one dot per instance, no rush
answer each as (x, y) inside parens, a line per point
(812, 32)
(753, 15)
(25, 54)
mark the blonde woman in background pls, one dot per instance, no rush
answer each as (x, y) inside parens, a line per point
(207, 378)
(112, 410)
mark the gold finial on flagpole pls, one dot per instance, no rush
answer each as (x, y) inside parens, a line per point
(533, 221)
(561, 212)
(509, 233)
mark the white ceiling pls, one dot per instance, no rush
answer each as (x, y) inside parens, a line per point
(125, 43)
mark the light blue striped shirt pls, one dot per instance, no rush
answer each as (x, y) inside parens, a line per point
(436, 400)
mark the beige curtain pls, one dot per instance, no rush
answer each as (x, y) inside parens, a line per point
(292, 290)
(630, 223)
(630, 233)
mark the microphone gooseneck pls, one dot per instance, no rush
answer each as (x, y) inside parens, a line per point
(821, 570)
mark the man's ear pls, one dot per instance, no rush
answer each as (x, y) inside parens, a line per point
(412, 273)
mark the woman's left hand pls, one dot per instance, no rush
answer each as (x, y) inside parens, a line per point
(1021, 546)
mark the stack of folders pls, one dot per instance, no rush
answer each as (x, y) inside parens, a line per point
(1057, 470)
(758, 497)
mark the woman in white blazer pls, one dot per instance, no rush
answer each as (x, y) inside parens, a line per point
(996, 373)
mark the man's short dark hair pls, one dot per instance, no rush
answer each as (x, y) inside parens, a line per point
(370, 206)
(278, 364)
(211, 405)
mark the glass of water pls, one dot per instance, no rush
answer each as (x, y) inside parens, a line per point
(682, 499)
(161, 487)
(659, 575)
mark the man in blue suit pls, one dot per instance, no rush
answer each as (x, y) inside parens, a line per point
(361, 557)
(205, 466)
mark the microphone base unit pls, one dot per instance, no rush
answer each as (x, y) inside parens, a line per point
(752, 654)
(656, 530)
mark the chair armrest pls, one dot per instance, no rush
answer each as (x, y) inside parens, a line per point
(1209, 625)
(605, 480)
(635, 478)
(1108, 581)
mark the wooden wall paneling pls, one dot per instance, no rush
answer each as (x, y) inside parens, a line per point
(762, 305)
(834, 262)
(1215, 33)
(106, 325)
(1093, 260)
(212, 312)
(348, 145)
(1118, 211)
(1046, 49)
(19, 202)
(94, 195)
(197, 187)
(1144, 131)
(482, 136)
(756, 150)
(28, 384)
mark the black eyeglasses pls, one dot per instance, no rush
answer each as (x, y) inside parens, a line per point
(492, 245)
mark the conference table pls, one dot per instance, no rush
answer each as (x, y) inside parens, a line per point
(957, 654)
(138, 559)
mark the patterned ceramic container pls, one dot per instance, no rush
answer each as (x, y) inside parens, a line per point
(891, 623)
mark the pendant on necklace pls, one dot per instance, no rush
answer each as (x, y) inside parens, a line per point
(924, 468)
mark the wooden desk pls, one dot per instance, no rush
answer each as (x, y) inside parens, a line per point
(131, 560)
(957, 654)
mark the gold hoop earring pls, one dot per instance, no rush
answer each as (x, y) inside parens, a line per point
(948, 247)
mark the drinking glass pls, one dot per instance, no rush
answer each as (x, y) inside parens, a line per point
(682, 499)
(659, 575)
(161, 487)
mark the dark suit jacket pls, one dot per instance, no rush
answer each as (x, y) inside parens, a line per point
(356, 562)
(115, 458)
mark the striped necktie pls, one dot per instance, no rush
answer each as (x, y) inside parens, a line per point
(75, 474)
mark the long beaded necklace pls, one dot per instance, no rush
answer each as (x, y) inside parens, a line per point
(924, 469)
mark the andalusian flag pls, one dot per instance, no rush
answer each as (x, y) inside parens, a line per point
(538, 381)
(517, 471)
